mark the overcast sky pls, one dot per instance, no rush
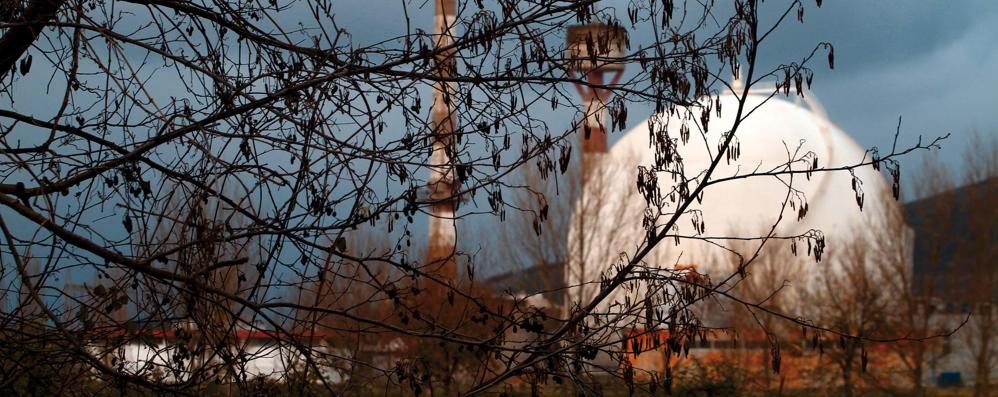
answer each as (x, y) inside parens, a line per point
(932, 62)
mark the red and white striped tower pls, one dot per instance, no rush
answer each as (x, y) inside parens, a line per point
(593, 51)
(442, 184)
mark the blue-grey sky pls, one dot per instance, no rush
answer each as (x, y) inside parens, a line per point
(934, 63)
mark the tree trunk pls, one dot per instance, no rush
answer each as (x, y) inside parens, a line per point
(847, 372)
(918, 371)
(982, 381)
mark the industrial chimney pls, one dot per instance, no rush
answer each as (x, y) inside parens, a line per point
(442, 185)
(593, 51)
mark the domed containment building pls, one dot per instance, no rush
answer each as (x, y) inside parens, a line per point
(608, 219)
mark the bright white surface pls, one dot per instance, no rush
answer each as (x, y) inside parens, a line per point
(267, 359)
(441, 226)
(742, 208)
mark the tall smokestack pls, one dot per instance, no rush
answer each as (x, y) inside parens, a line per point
(442, 185)
(592, 51)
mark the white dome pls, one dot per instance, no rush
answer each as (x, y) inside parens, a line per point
(767, 139)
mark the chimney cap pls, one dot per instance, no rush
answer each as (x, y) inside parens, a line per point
(608, 42)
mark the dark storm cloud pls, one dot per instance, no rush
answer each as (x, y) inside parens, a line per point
(935, 63)
(869, 34)
(932, 63)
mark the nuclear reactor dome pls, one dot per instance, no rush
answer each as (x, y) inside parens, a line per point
(608, 218)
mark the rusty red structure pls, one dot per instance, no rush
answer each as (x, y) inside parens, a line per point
(592, 54)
